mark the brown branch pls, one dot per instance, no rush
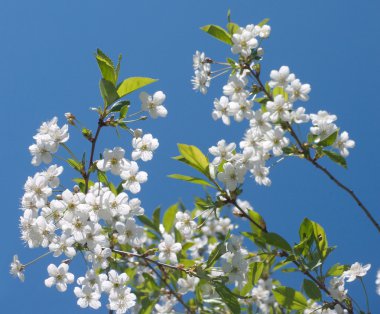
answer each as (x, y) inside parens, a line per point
(86, 175)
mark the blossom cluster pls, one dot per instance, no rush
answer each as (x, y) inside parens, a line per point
(270, 118)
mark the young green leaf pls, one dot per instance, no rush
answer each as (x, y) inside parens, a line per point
(276, 240)
(228, 298)
(106, 67)
(336, 270)
(263, 22)
(108, 92)
(156, 217)
(335, 157)
(328, 141)
(194, 157)
(169, 217)
(218, 32)
(131, 84)
(190, 179)
(232, 28)
(312, 290)
(290, 298)
(75, 164)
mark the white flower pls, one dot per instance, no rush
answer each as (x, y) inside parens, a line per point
(235, 87)
(63, 244)
(261, 175)
(153, 104)
(244, 41)
(99, 257)
(114, 205)
(37, 189)
(17, 269)
(232, 175)
(201, 81)
(260, 122)
(52, 175)
(244, 205)
(323, 125)
(299, 115)
(264, 31)
(241, 109)
(222, 152)
(281, 78)
(222, 110)
(274, 140)
(130, 233)
(167, 306)
(113, 160)
(279, 109)
(59, 276)
(343, 142)
(297, 90)
(200, 62)
(336, 288)
(121, 300)
(185, 224)
(377, 282)
(187, 284)
(87, 297)
(115, 282)
(42, 151)
(356, 270)
(133, 177)
(144, 147)
(169, 249)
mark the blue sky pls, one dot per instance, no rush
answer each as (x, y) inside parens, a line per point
(47, 69)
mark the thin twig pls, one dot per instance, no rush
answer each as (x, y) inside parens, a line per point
(86, 175)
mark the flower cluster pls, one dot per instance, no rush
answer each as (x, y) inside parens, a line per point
(48, 138)
(271, 123)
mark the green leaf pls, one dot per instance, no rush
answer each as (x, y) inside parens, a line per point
(102, 177)
(131, 84)
(108, 92)
(277, 241)
(216, 253)
(106, 67)
(147, 305)
(194, 157)
(229, 15)
(278, 90)
(232, 28)
(156, 217)
(336, 270)
(263, 22)
(311, 290)
(218, 32)
(123, 112)
(74, 164)
(328, 141)
(337, 158)
(120, 104)
(169, 217)
(257, 271)
(310, 232)
(256, 217)
(117, 70)
(190, 179)
(147, 222)
(228, 298)
(290, 298)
